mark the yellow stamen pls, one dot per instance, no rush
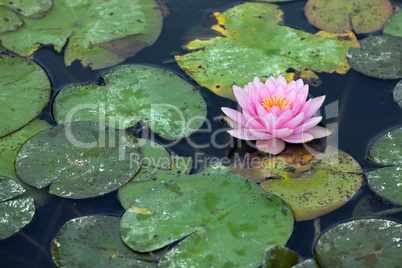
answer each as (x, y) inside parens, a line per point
(271, 101)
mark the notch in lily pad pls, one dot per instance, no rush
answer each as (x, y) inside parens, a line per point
(90, 31)
(79, 159)
(360, 243)
(245, 51)
(224, 220)
(25, 89)
(15, 212)
(170, 106)
(313, 180)
(386, 182)
(361, 16)
(92, 240)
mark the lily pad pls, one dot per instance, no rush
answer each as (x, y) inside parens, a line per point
(387, 183)
(310, 263)
(14, 215)
(159, 167)
(394, 25)
(224, 220)
(28, 8)
(9, 21)
(312, 182)
(217, 168)
(166, 103)
(360, 243)
(10, 188)
(9, 147)
(24, 89)
(387, 149)
(91, 30)
(93, 240)
(398, 93)
(363, 16)
(79, 159)
(245, 52)
(379, 56)
(279, 256)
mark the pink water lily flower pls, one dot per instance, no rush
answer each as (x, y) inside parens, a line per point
(275, 112)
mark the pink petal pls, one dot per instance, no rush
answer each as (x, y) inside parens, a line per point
(270, 83)
(299, 138)
(319, 132)
(253, 122)
(264, 92)
(309, 123)
(234, 115)
(302, 94)
(242, 133)
(281, 80)
(269, 122)
(281, 133)
(294, 122)
(284, 117)
(257, 82)
(242, 99)
(290, 86)
(279, 91)
(272, 146)
(299, 83)
(312, 106)
(261, 135)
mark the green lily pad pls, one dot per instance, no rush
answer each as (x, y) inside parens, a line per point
(387, 183)
(28, 8)
(363, 16)
(166, 103)
(91, 30)
(24, 89)
(225, 220)
(360, 243)
(312, 182)
(79, 159)
(14, 215)
(386, 149)
(279, 256)
(217, 168)
(394, 25)
(379, 56)
(397, 93)
(245, 52)
(10, 188)
(9, 147)
(161, 167)
(310, 263)
(9, 21)
(93, 240)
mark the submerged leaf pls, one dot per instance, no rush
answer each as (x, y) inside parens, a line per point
(224, 220)
(93, 240)
(158, 167)
(79, 159)
(24, 89)
(245, 52)
(279, 256)
(360, 243)
(363, 16)
(313, 182)
(170, 106)
(379, 56)
(92, 30)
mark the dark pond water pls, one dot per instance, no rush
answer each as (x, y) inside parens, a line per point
(365, 110)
